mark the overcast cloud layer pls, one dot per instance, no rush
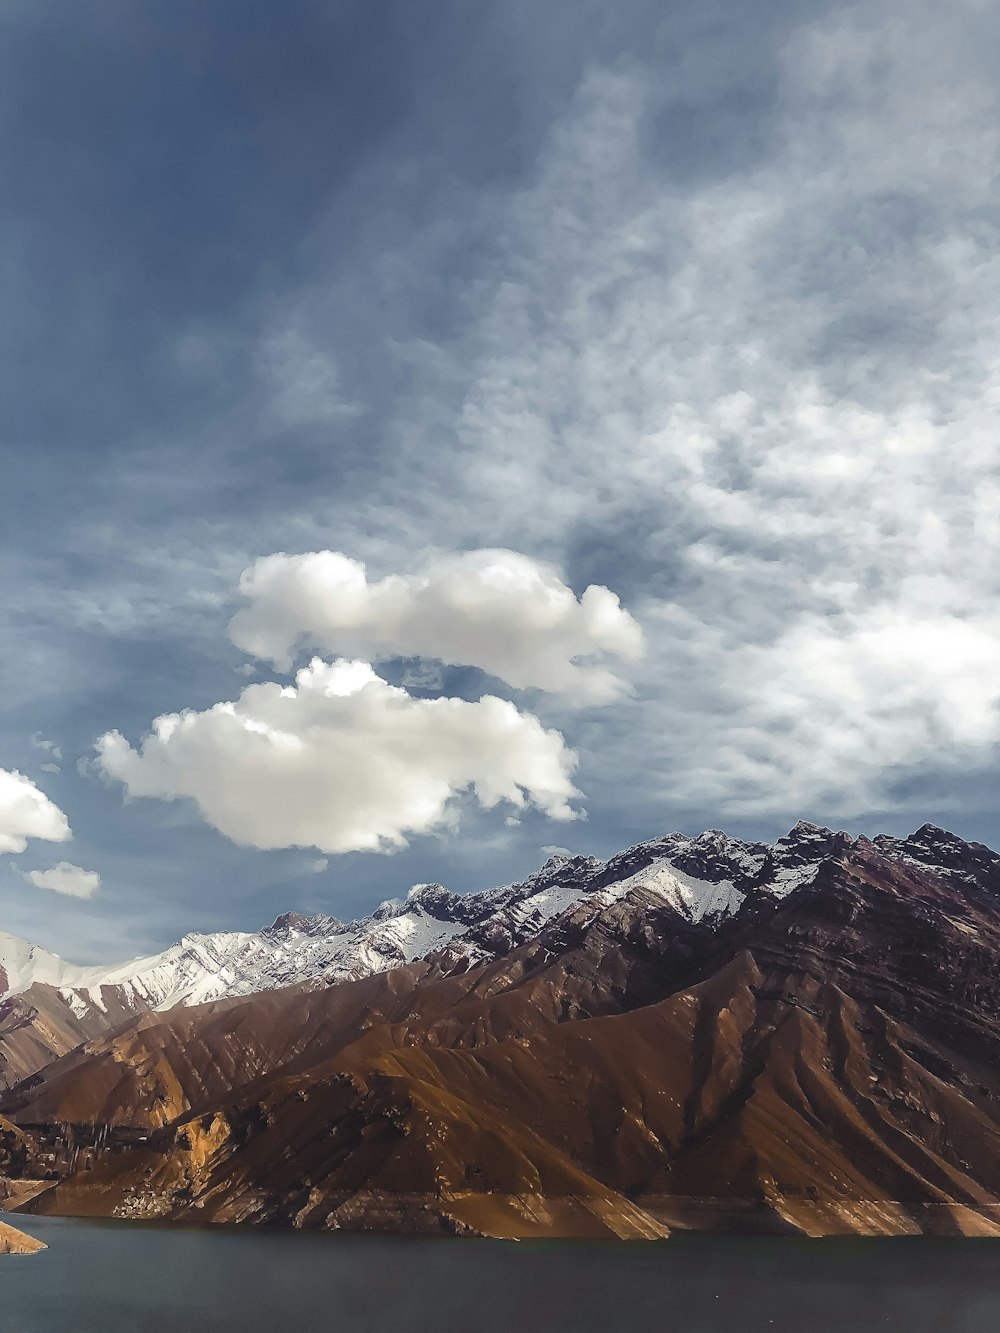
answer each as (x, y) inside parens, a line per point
(695, 304)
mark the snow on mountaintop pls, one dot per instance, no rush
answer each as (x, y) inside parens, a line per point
(22, 964)
(695, 899)
(705, 879)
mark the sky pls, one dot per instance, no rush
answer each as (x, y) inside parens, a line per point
(432, 434)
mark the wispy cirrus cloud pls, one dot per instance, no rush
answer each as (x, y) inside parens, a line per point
(777, 385)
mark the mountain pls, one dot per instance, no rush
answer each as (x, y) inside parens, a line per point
(49, 1006)
(60, 1004)
(704, 877)
(806, 1034)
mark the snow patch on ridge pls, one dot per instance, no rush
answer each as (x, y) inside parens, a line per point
(788, 878)
(695, 899)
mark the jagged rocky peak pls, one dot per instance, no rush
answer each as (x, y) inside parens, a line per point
(560, 868)
(717, 857)
(810, 842)
(795, 859)
(713, 840)
(298, 923)
(934, 835)
(805, 831)
(948, 849)
(816, 836)
(422, 900)
(389, 908)
(969, 863)
(713, 857)
(435, 900)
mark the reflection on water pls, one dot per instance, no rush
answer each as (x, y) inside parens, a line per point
(108, 1277)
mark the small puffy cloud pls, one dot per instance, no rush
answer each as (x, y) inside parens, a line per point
(66, 878)
(40, 742)
(319, 865)
(26, 812)
(494, 609)
(343, 761)
(50, 768)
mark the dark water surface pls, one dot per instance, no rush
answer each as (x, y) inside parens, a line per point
(107, 1277)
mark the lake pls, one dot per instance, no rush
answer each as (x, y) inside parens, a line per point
(112, 1277)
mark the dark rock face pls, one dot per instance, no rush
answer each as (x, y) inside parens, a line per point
(295, 922)
(948, 857)
(824, 1057)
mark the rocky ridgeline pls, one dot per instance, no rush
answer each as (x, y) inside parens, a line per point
(707, 879)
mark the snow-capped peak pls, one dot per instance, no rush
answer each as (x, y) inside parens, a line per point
(22, 964)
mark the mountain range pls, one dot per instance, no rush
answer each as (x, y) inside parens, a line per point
(700, 1031)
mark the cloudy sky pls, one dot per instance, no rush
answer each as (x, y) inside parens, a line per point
(436, 432)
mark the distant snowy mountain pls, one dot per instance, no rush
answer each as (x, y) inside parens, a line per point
(703, 878)
(706, 879)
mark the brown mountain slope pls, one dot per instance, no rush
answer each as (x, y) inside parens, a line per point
(723, 1090)
(38, 1026)
(162, 1065)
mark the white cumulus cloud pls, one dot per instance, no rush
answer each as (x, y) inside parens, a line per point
(26, 812)
(495, 609)
(66, 878)
(343, 761)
